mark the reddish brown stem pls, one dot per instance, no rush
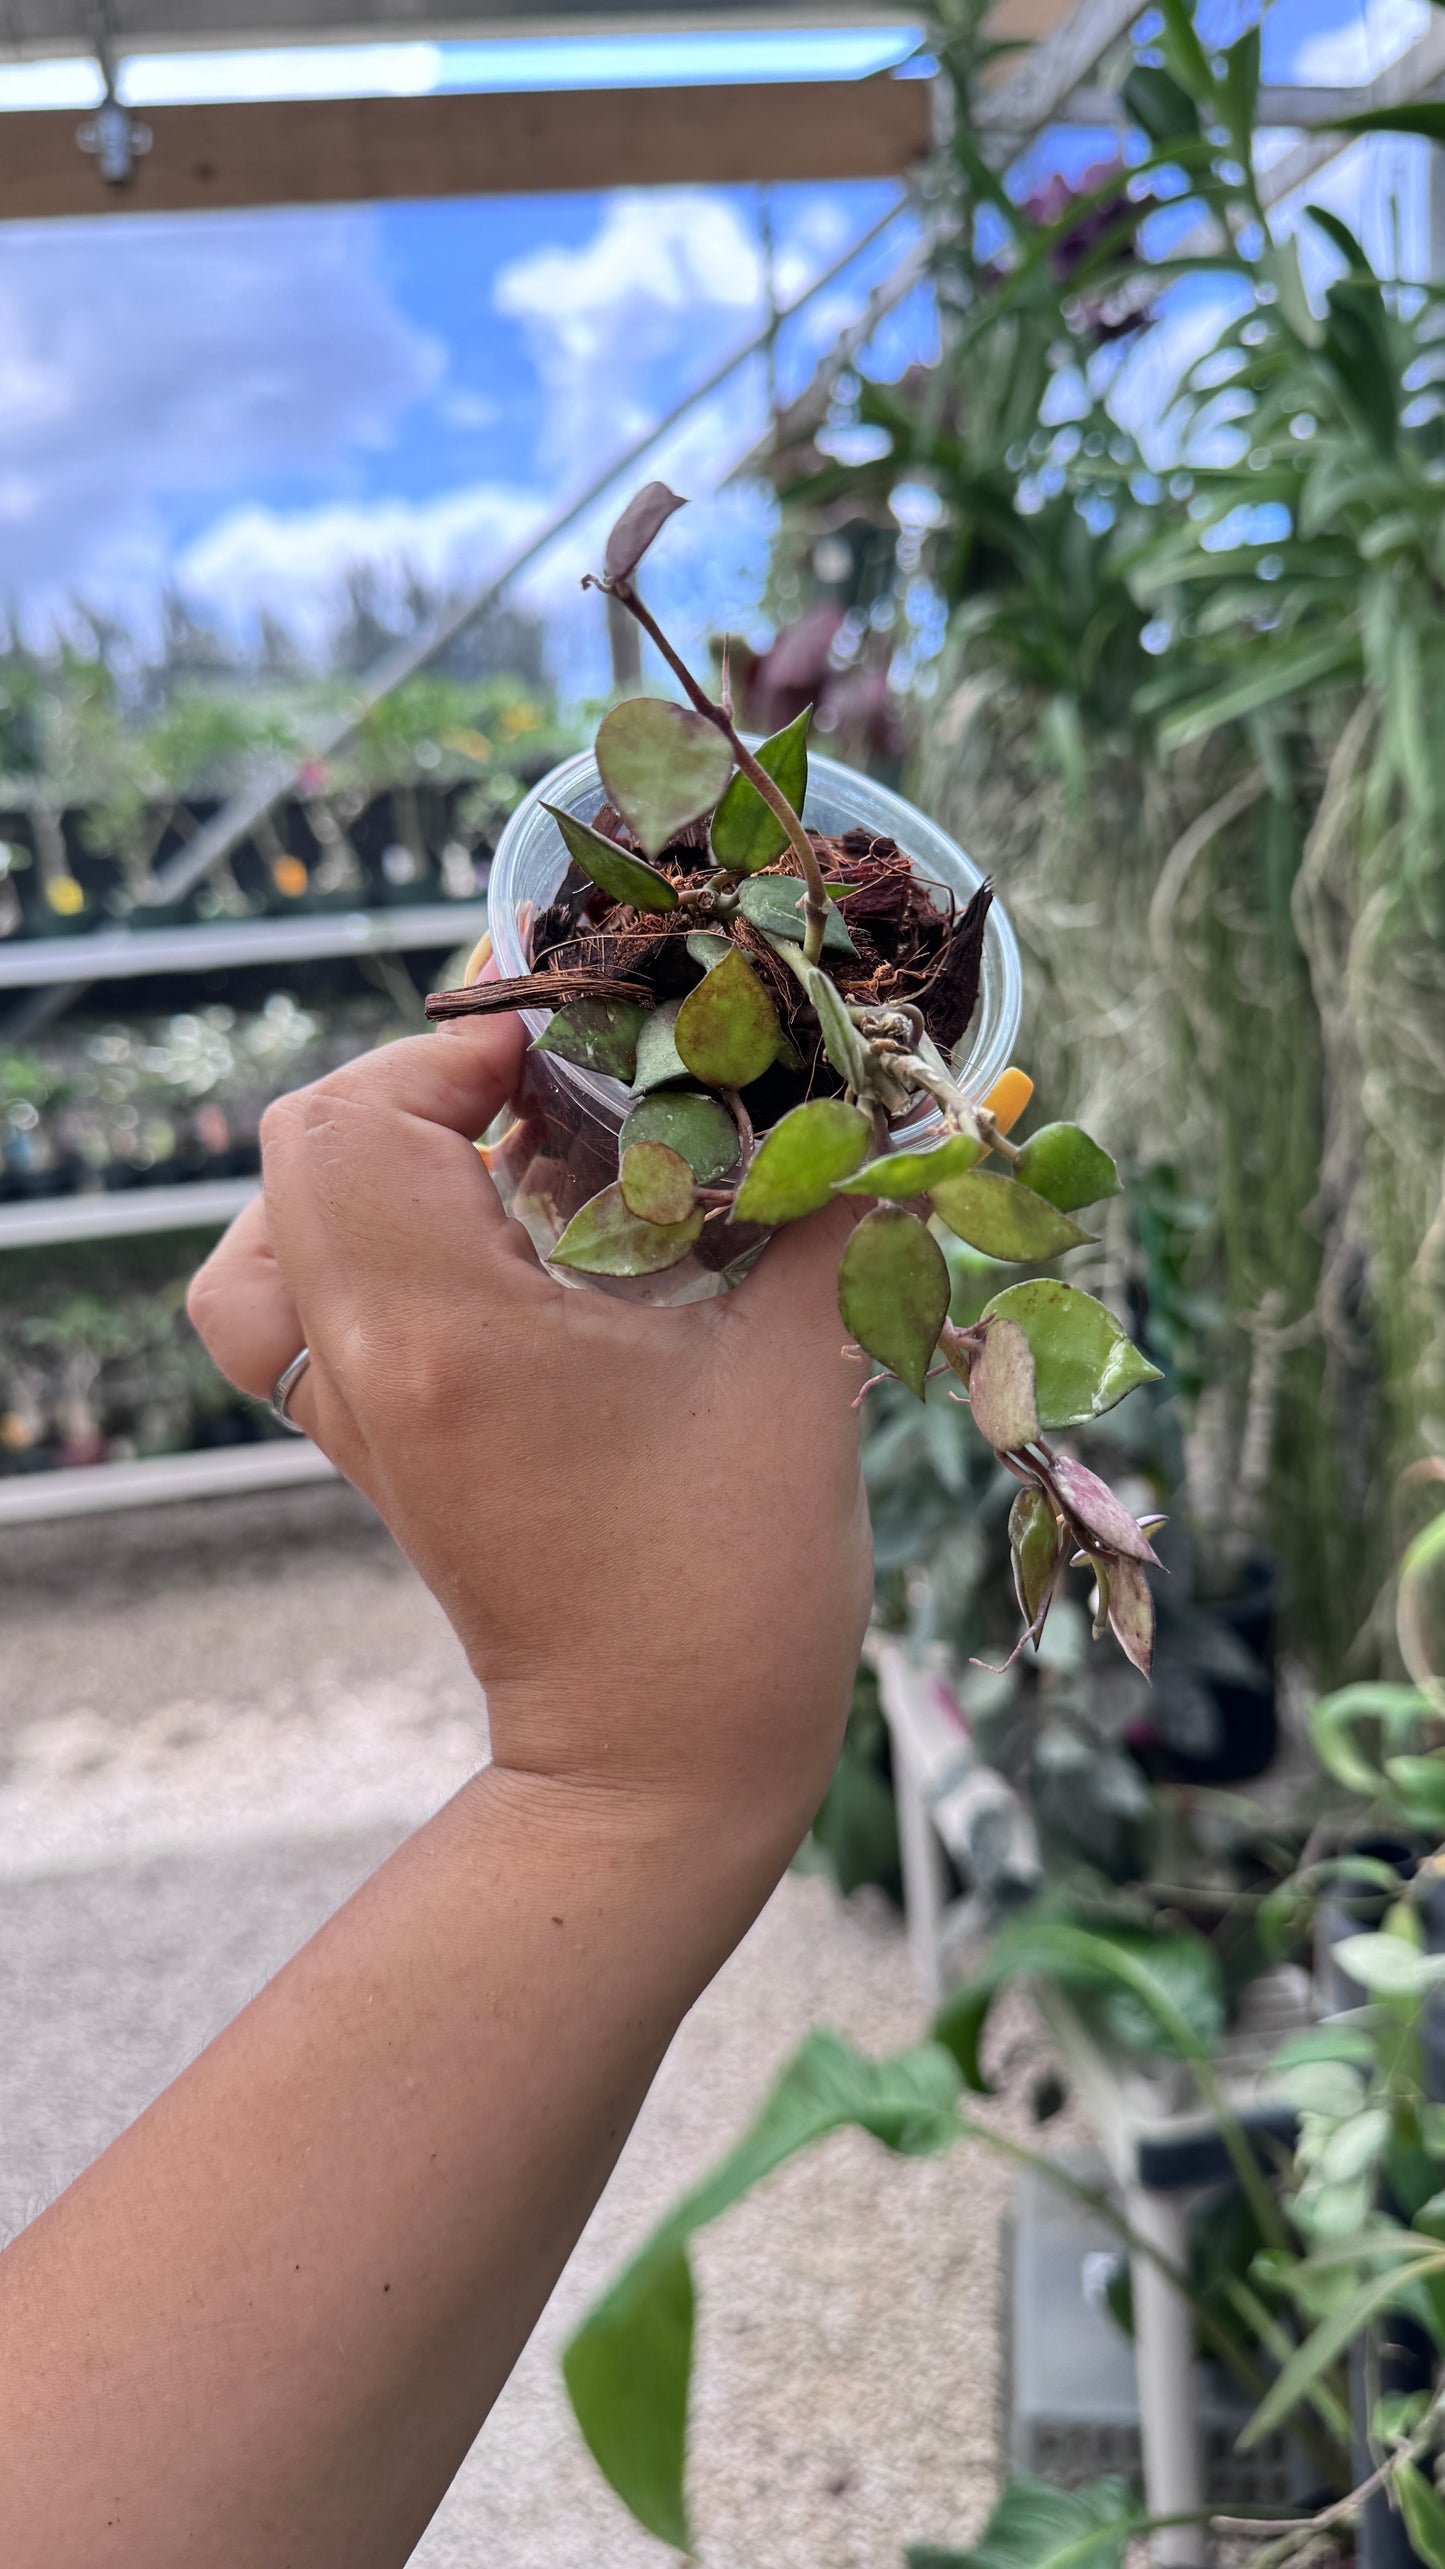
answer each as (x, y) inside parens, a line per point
(815, 906)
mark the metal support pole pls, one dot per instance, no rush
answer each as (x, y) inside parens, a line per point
(1164, 2359)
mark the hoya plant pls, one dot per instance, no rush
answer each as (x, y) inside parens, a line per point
(780, 1003)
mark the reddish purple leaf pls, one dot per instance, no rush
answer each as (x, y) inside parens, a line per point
(1131, 1612)
(1103, 1522)
(1001, 1388)
(643, 519)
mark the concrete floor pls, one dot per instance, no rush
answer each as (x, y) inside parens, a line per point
(213, 1723)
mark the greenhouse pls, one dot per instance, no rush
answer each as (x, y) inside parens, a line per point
(722, 1283)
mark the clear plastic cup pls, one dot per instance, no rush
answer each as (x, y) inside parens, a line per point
(561, 1149)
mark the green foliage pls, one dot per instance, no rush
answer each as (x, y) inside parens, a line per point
(746, 833)
(628, 2368)
(773, 902)
(606, 1239)
(1004, 1219)
(906, 1174)
(698, 1127)
(662, 765)
(727, 1031)
(893, 1292)
(658, 1061)
(1084, 1361)
(597, 1034)
(1036, 2527)
(656, 1183)
(1147, 1990)
(610, 867)
(801, 1160)
(1061, 1164)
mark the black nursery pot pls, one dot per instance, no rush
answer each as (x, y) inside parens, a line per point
(562, 1148)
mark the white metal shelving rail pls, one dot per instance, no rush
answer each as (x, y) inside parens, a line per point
(161, 1480)
(205, 1205)
(123, 954)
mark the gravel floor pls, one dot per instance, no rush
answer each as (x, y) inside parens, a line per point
(212, 1726)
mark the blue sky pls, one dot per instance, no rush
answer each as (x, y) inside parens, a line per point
(243, 404)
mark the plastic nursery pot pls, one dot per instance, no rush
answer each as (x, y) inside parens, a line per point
(561, 1148)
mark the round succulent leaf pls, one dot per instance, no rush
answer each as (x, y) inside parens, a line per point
(610, 867)
(1131, 1612)
(1061, 1164)
(656, 1182)
(799, 1162)
(597, 1034)
(658, 1059)
(698, 1128)
(1083, 1361)
(841, 1040)
(774, 903)
(1003, 1219)
(606, 1239)
(707, 949)
(1103, 1521)
(727, 1030)
(893, 1289)
(746, 834)
(1001, 1388)
(662, 765)
(641, 522)
(901, 1175)
(1035, 1544)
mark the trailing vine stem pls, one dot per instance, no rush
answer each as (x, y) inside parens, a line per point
(815, 905)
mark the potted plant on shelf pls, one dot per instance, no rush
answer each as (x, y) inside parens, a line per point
(767, 1014)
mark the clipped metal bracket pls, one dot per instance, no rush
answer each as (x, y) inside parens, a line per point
(115, 139)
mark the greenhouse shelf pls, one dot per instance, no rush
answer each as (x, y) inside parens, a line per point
(161, 1480)
(123, 954)
(204, 1206)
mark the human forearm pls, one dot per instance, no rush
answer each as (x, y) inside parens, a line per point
(314, 2261)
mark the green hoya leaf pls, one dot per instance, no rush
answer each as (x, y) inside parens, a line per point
(1062, 1165)
(605, 1239)
(1035, 1544)
(1150, 1992)
(610, 867)
(1035, 2526)
(628, 2368)
(1387, 1966)
(1424, 2514)
(699, 1128)
(628, 2371)
(658, 1059)
(1399, 1710)
(1083, 1360)
(893, 1290)
(994, 1213)
(662, 765)
(800, 1161)
(727, 1030)
(707, 949)
(1001, 1388)
(598, 1034)
(745, 833)
(774, 903)
(841, 1040)
(901, 1175)
(656, 1183)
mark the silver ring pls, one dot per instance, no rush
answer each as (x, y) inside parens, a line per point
(284, 1386)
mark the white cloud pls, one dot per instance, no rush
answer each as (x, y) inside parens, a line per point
(293, 562)
(1379, 34)
(144, 365)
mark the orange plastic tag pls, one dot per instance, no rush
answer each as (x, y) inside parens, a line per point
(1008, 1097)
(480, 957)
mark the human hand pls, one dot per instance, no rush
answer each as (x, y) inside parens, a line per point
(647, 1526)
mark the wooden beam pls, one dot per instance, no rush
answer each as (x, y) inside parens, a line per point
(343, 150)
